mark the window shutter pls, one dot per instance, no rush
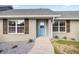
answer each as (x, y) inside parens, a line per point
(67, 26)
(5, 26)
(26, 26)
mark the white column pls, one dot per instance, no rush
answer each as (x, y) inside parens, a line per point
(50, 32)
(52, 26)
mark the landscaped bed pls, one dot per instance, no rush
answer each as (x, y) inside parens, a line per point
(66, 46)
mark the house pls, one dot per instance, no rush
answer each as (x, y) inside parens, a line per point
(5, 7)
(24, 24)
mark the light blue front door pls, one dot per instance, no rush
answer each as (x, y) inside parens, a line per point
(41, 28)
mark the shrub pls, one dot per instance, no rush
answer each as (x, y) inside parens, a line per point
(15, 46)
(30, 40)
(72, 38)
(56, 37)
(64, 37)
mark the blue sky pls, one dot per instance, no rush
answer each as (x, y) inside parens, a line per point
(53, 7)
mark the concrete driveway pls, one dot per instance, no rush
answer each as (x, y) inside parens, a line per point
(42, 46)
(23, 47)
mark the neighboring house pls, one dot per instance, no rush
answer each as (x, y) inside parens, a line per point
(5, 7)
(24, 24)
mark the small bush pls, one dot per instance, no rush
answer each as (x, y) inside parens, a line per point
(30, 40)
(56, 37)
(64, 37)
(15, 46)
(72, 38)
(1, 51)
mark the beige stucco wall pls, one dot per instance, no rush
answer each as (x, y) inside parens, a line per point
(19, 37)
(74, 31)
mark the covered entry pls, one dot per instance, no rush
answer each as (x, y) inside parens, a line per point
(44, 27)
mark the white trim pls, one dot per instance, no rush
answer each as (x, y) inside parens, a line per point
(59, 27)
(65, 18)
(15, 33)
(15, 27)
(29, 16)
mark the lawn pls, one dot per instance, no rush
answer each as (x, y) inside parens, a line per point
(66, 46)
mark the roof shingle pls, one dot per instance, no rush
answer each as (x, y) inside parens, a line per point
(29, 12)
(68, 14)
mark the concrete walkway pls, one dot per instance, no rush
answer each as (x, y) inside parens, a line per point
(42, 46)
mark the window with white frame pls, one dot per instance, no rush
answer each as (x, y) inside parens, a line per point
(59, 26)
(15, 26)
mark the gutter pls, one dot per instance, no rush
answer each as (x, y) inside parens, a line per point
(4, 16)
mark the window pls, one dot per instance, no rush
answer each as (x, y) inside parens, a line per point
(15, 26)
(59, 26)
(55, 26)
(41, 26)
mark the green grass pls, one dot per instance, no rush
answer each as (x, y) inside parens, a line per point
(66, 46)
(67, 42)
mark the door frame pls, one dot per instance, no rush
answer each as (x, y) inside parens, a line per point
(38, 21)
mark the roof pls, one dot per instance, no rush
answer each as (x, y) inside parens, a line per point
(68, 14)
(40, 13)
(28, 12)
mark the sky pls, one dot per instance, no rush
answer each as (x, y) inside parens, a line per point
(52, 7)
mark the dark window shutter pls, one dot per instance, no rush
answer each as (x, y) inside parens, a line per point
(67, 26)
(5, 26)
(26, 26)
